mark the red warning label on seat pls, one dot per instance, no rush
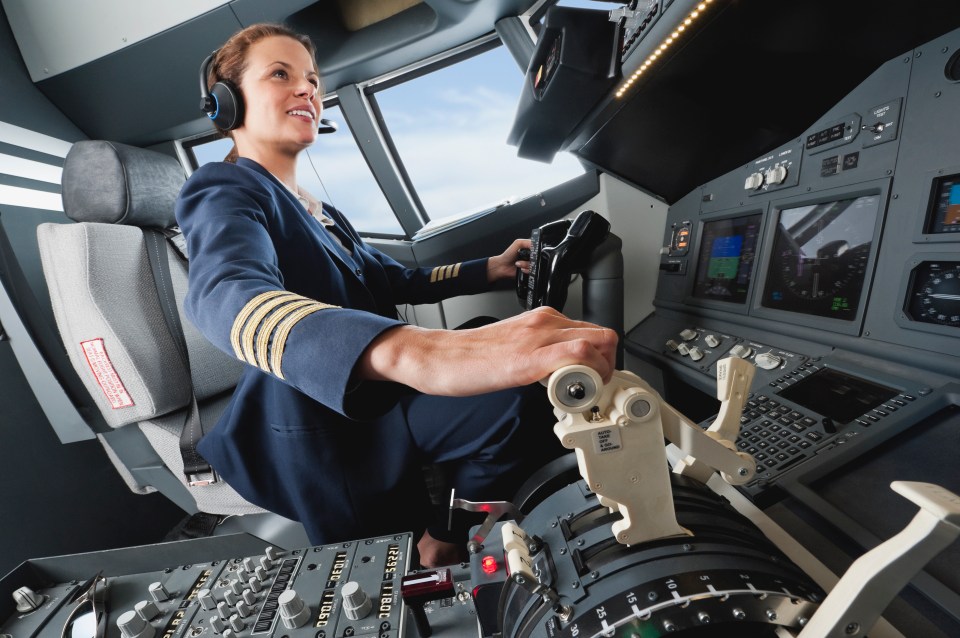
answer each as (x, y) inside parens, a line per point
(105, 373)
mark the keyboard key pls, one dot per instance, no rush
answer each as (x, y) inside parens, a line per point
(814, 436)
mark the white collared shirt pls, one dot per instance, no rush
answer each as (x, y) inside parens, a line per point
(316, 211)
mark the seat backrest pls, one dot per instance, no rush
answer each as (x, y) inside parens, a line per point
(108, 311)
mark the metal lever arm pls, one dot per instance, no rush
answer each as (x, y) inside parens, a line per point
(856, 602)
(734, 376)
(617, 431)
(495, 510)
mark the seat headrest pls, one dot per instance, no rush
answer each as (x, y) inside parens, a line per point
(113, 183)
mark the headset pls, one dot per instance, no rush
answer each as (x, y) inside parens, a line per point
(223, 103)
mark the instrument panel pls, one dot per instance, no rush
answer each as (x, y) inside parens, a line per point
(934, 293)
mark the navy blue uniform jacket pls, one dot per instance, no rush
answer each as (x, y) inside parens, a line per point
(268, 285)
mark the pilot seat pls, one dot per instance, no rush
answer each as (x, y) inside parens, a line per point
(107, 301)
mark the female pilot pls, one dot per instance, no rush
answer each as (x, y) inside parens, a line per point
(341, 402)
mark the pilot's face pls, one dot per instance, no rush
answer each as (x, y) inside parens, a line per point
(280, 91)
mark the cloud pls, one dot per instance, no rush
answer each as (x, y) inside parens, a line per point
(453, 145)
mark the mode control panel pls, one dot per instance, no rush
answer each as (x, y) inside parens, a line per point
(701, 348)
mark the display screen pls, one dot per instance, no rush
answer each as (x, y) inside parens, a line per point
(837, 395)
(944, 213)
(725, 264)
(818, 263)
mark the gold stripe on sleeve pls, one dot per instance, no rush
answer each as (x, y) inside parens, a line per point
(283, 331)
(244, 314)
(253, 323)
(266, 330)
(442, 273)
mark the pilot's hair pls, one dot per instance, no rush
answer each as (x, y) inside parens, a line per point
(230, 60)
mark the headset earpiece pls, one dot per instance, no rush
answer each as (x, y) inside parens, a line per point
(223, 104)
(229, 113)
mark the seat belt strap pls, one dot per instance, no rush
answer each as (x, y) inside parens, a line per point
(195, 467)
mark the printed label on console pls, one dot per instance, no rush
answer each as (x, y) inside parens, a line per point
(606, 440)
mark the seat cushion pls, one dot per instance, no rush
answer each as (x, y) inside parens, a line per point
(108, 313)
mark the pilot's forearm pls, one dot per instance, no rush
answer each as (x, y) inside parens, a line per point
(510, 353)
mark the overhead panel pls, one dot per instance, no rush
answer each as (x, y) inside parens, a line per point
(58, 36)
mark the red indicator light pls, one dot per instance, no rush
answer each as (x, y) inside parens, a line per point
(488, 564)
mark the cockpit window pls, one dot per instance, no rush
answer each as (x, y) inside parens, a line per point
(450, 127)
(334, 171)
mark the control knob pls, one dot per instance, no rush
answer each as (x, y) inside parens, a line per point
(741, 351)
(146, 609)
(293, 612)
(688, 334)
(133, 626)
(248, 597)
(683, 349)
(712, 341)
(671, 344)
(753, 182)
(356, 603)
(217, 623)
(236, 622)
(696, 353)
(248, 565)
(260, 573)
(230, 598)
(254, 584)
(273, 553)
(158, 592)
(776, 175)
(236, 586)
(27, 600)
(767, 360)
(205, 596)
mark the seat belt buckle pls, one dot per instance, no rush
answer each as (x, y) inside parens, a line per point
(202, 479)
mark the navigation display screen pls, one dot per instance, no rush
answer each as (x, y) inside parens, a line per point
(819, 259)
(837, 395)
(725, 264)
(944, 213)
